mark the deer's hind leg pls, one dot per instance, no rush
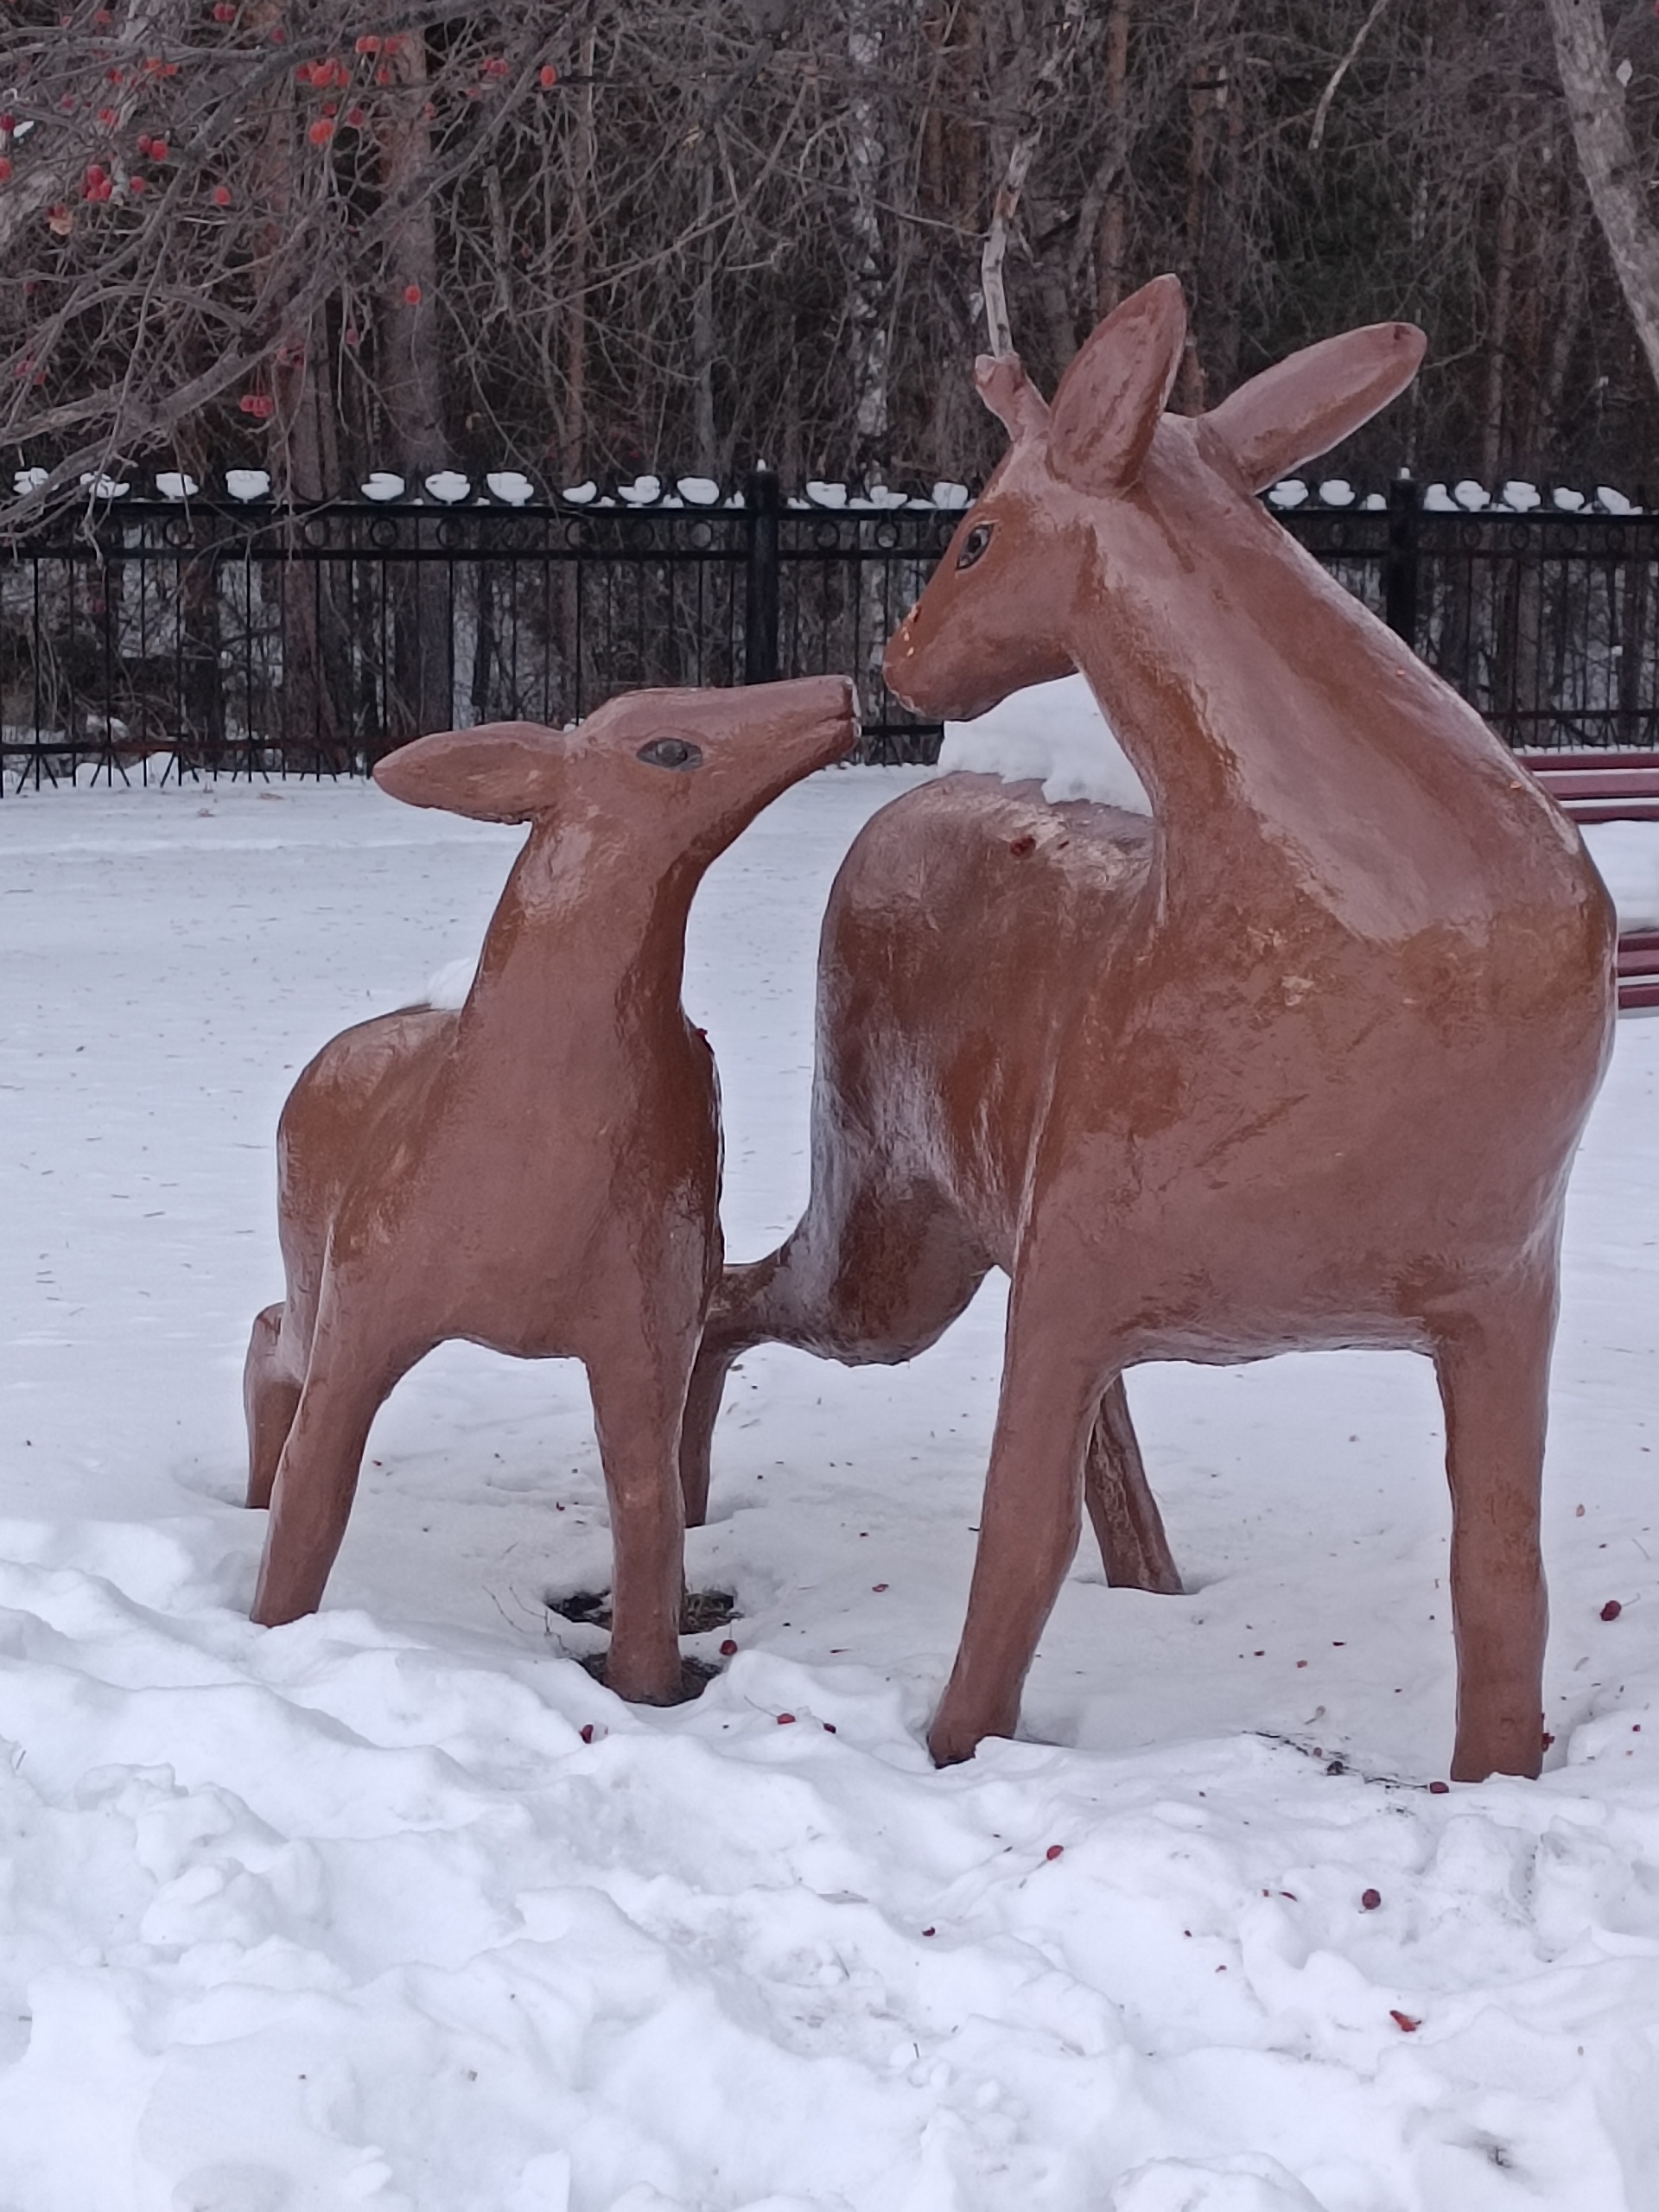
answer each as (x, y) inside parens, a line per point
(1128, 1525)
(349, 1375)
(873, 1274)
(271, 1394)
(1493, 1364)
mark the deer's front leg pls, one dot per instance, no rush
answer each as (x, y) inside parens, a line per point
(1028, 1527)
(1493, 1365)
(638, 1383)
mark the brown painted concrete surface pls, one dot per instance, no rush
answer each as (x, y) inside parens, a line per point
(1301, 1062)
(538, 1171)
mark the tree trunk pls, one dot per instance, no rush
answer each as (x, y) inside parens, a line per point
(867, 286)
(411, 392)
(1499, 321)
(1595, 107)
(583, 154)
(1112, 235)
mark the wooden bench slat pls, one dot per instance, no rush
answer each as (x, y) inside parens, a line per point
(1583, 783)
(1594, 787)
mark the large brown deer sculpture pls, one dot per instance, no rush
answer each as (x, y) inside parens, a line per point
(1300, 1062)
(538, 1171)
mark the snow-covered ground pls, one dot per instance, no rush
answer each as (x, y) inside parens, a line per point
(352, 1913)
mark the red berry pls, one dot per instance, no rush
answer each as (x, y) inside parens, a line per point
(550, 76)
(728, 1647)
(1611, 1610)
(785, 1720)
(411, 296)
(586, 1732)
(321, 132)
(1054, 1851)
(221, 195)
(5, 170)
(354, 118)
(1404, 2022)
(158, 149)
(134, 184)
(368, 44)
(929, 1931)
(1370, 1901)
(224, 12)
(1439, 1788)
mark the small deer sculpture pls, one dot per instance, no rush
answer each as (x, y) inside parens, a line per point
(1300, 1062)
(537, 1171)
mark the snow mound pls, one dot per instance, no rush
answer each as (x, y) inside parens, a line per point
(446, 988)
(1051, 734)
(1627, 854)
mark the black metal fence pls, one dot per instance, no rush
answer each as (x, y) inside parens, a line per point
(165, 639)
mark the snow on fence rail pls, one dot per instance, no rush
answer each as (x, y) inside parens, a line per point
(178, 630)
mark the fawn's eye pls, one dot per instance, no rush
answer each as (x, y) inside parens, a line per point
(974, 545)
(671, 753)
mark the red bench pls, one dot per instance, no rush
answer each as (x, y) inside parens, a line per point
(1611, 787)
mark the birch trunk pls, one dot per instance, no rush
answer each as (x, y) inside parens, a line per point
(1595, 107)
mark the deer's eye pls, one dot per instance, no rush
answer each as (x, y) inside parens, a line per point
(974, 545)
(671, 753)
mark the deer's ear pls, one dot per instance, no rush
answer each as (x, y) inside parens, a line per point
(1010, 395)
(500, 772)
(1302, 407)
(1110, 398)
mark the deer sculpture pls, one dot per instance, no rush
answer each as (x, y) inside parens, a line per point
(1299, 1062)
(537, 1171)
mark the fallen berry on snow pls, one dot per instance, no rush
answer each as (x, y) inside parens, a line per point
(728, 1647)
(1054, 1851)
(1439, 1788)
(1611, 1610)
(586, 1732)
(1370, 1900)
(1404, 2022)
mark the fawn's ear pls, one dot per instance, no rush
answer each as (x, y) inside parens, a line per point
(1301, 407)
(1011, 395)
(500, 772)
(1110, 398)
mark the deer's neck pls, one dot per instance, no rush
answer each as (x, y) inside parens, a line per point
(1282, 731)
(583, 959)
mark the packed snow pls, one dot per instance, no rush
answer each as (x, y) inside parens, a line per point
(397, 1907)
(1055, 735)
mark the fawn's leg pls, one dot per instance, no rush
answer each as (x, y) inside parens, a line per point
(638, 1390)
(1128, 1525)
(1493, 1364)
(870, 1276)
(269, 1395)
(1028, 1527)
(346, 1384)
